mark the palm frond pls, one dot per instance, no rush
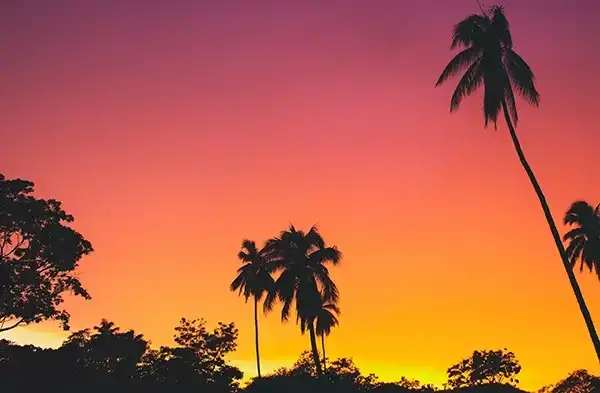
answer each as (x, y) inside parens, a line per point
(573, 233)
(249, 245)
(286, 292)
(314, 238)
(324, 255)
(327, 318)
(332, 307)
(265, 284)
(462, 60)
(469, 82)
(286, 309)
(521, 77)
(243, 256)
(270, 301)
(238, 283)
(579, 213)
(469, 31)
(329, 290)
(574, 250)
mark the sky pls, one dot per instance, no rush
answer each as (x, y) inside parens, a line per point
(172, 130)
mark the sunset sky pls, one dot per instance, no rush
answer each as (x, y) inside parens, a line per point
(172, 130)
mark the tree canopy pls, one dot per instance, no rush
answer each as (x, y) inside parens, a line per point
(485, 367)
(39, 255)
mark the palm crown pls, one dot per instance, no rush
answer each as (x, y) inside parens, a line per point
(489, 58)
(326, 318)
(304, 279)
(584, 239)
(253, 278)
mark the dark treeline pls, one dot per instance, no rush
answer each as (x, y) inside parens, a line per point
(107, 356)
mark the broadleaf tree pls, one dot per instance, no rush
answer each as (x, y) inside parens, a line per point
(39, 256)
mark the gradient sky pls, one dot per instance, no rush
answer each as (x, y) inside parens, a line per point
(174, 129)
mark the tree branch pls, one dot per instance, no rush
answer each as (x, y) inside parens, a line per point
(18, 245)
(3, 329)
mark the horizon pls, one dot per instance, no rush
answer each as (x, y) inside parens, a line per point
(175, 131)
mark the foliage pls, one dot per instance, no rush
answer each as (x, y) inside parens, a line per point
(579, 381)
(584, 239)
(253, 279)
(341, 376)
(304, 280)
(485, 367)
(326, 318)
(488, 59)
(39, 254)
(106, 355)
(199, 358)
(79, 363)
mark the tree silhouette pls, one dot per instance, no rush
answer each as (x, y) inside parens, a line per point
(76, 348)
(489, 60)
(253, 280)
(584, 239)
(304, 280)
(341, 376)
(39, 254)
(203, 352)
(326, 319)
(579, 381)
(485, 367)
(105, 353)
(109, 357)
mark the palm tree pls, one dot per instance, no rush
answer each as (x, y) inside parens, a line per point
(304, 280)
(584, 239)
(489, 59)
(253, 280)
(106, 328)
(326, 319)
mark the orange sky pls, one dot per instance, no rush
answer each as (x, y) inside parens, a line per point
(175, 130)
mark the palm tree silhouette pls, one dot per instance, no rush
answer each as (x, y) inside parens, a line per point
(489, 59)
(304, 280)
(584, 239)
(253, 280)
(326, 319)
(106, 328)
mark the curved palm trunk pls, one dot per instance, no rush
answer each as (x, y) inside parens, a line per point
(323, 347)
(315, 351)
(555, 234)
(256, 335)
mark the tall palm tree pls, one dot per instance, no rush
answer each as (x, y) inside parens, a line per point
(326, 319)
(253, 280)
(584, 239)
(304, 282)
(489, 60)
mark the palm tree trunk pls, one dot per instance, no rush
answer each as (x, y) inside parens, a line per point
(315, 351)
(324, 358)
(555, 234)
(256, 335)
